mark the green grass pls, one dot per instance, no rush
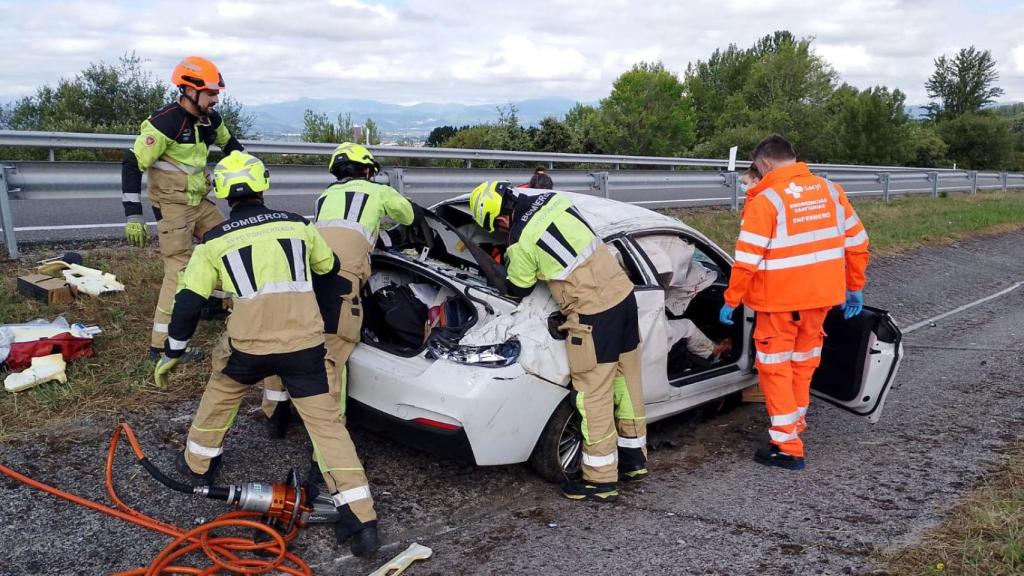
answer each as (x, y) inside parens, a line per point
(898, 225)
(983, 536)
(119, 377)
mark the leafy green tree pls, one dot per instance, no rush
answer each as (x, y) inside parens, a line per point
(551, 136)
(646, 115)
(586, 129)
(372, 131)
(508, 133)
(979, 141)
(475, 137)
(871, 126)
(715, 89)
(319, 128)
(438, 136)
(962, 84)
(927, 148)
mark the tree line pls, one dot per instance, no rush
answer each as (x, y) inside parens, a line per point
(738, 95)
(733, 98)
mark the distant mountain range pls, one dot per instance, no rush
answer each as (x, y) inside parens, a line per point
(286, 118)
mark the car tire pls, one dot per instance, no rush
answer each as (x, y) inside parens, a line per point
(558, 455)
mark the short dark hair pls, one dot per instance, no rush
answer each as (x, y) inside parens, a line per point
(774, 147)
(541, 181)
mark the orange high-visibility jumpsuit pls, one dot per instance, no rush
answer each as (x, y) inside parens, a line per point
(800, 248)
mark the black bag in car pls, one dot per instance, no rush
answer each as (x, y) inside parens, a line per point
(396, 316)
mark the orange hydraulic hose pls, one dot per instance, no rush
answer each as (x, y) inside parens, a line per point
(220, 549)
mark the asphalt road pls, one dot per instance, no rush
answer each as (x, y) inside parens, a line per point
(708, 509)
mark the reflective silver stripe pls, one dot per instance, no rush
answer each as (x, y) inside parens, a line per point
(780, 209)
(802, 260)
(245, 288)
(175, 344)
(804, 356)
(358, 199)
(161, 328)
(802, 411)
(200, 450)
(783, 436)
(298, 261)
(598, 461)
(174, 167)
(351, 495)
(851, 222)
(219, 294)
(131, 197)
(275, 395)
(551, 242)
(840, 211)
(748, 258)
(279, 288)
(857, 240)
(786, 419)
(776, 358)
(755, 239)
(346, 224)
(632, 442)
(805, 238)
(580, 258)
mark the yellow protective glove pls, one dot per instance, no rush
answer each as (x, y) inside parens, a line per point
(136, 231)
(162, 374)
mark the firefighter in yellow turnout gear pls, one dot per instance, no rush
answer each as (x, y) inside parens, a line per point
(267, 259)
(348, 215)
(548, 239)
(172, 148)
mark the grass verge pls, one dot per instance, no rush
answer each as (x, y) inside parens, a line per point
(898, 225)
(119, 377)
(982, 536)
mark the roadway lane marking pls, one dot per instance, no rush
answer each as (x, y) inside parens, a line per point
(960, 309)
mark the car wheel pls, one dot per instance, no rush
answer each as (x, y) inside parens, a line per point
(558, 455)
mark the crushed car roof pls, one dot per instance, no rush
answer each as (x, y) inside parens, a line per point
(607, 217)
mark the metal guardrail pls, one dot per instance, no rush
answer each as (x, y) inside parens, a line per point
(72, 181)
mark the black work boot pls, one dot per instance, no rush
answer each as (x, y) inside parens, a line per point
(181, 465)
(191, 354)
(634, 475)
(366, 541)
(584, 490)
(773, 456)
(277, 424)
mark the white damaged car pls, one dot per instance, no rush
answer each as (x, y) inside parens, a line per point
(449, 364)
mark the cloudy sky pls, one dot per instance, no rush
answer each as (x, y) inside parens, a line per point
(474, 51)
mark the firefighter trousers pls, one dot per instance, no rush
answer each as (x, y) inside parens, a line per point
(307, 375)
(176, 225)
(605, 365)
(342, 311)
(788, 348)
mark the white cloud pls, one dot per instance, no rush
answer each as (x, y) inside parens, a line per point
(471, 51)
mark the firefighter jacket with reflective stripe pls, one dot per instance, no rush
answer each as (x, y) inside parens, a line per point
(172, 146)
(265, 260)
(348, 214)
(801, 245)
(549, 240)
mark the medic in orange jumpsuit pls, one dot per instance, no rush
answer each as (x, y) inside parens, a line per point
(801, 251)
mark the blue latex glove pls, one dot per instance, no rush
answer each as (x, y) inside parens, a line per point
(725, 314)
(854, 303)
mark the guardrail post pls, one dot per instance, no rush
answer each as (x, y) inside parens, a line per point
(883, 179)
(396, 179)
(933, 177)
(732, 181)
(600, 182)
(1003, 178)
(469, 163)
(973, 175)
(50, 155)
(6, 218)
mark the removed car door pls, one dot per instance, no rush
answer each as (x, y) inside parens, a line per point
(859, 361)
